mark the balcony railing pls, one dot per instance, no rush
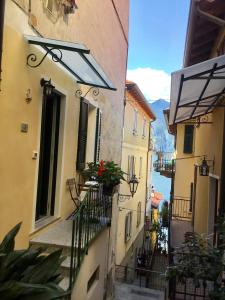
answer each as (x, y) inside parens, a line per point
(188, 290)
(164, 164)
(181, 208)
(92, 216)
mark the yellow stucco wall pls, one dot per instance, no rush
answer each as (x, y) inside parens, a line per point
(96, 258)
(18, 171)
(184, 174)
(208, 140)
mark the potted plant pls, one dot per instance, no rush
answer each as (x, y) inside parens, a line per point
(165, 214)
(106, 172)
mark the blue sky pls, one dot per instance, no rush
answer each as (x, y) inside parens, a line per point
(156, 43)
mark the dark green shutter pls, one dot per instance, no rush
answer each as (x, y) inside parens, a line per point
(188, 138)
(82, 135)
(98, 135)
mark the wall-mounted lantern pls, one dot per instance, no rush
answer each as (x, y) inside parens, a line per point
(133, 183)
(204, 168)
(48, 87)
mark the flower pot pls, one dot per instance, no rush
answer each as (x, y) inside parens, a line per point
(108, 190)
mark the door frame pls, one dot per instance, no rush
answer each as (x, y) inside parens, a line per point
(36, 225)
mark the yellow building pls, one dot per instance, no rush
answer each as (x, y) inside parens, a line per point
(136, 160)
(51, 129)
(197, 119)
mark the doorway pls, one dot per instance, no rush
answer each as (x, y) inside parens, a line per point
(213, 206)
(48, 159)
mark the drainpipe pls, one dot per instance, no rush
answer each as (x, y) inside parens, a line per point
(222, 182)
(2, 12)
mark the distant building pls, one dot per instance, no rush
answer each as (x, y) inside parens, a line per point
(196, 117)
(136, 160)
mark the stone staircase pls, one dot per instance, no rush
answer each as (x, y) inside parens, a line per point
(58, 236)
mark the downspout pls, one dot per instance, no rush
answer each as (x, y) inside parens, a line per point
(2, 13)
(222, 182)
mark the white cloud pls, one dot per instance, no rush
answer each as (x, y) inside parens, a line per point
(154, 84)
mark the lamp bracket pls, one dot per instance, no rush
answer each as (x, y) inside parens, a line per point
(124, 197)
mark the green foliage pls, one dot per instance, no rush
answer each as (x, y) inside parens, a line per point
(160, 233)
(106, 172)
(198, 259)
(164, 214)
(26, 274)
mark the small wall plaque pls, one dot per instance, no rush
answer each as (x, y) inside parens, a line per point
(24, 127)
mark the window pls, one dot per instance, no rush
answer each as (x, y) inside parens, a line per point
(94, 277)
(140, 167)
(139, 214)
(128, 226)
(135, 121)
(89, 135)
(188, 138)
(144, 128)
(131, 167)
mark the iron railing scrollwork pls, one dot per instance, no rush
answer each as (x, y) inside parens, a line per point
(32, 59)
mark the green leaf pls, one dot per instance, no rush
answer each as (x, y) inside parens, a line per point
(8, 242)
(42, 272)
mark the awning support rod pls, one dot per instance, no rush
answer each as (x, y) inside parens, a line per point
(204, 89)
(203, 98)
(215, 100)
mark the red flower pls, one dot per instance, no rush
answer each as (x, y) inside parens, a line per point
(101, 168)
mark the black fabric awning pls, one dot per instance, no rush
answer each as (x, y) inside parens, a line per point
(197, 90)
(74, 57)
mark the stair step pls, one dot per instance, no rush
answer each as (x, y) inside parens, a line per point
(64, 283)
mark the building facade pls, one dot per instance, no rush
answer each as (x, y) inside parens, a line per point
(197, 119)
(136, 160)
(49, 138)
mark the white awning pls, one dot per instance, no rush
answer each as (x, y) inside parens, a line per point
(197, 90)
(74, 57)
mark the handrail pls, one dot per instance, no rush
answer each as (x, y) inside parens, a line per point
(91, 217)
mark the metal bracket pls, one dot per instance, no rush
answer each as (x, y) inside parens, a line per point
(32, 60)
(93, 89)
(123, 198)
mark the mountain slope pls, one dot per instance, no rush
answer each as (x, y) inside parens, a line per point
(162, 139)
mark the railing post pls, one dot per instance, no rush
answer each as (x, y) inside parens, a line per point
(125, 274)
(80, 224)
(72, 256)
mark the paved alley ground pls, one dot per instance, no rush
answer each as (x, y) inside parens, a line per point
(131, 292)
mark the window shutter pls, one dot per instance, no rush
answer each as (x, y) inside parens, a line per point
(128, 168)
(188, 138)
(98, 135)
(82, 135)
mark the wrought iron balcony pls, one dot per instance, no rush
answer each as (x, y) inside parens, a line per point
(91, 217)
(164, 167)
